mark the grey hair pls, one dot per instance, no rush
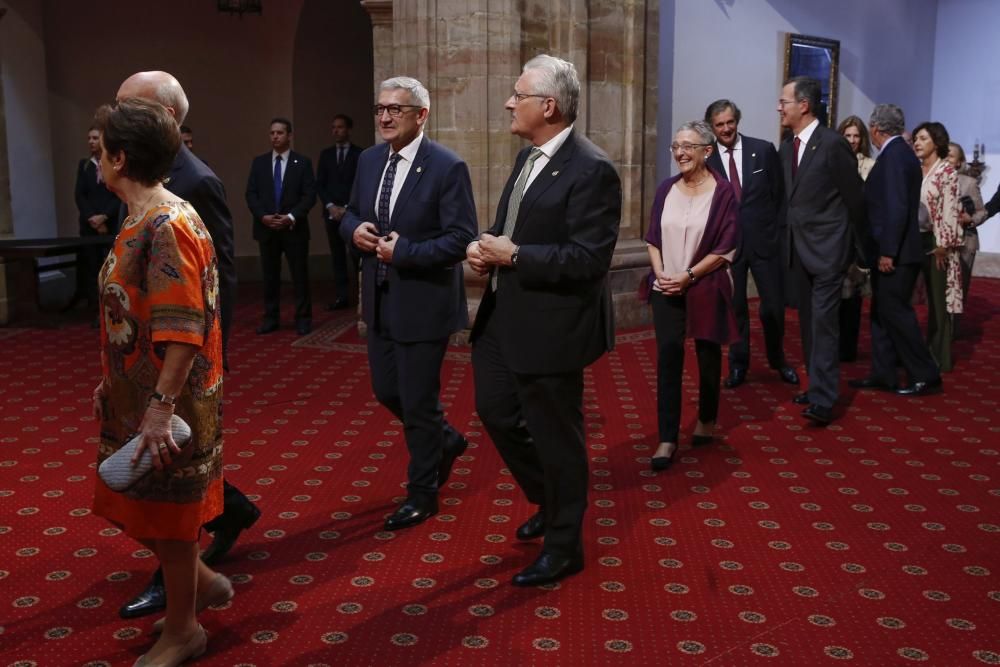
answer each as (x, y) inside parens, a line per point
(170, 94)
(888, 118)
(699, 126)
(558, 79)
(418, 94)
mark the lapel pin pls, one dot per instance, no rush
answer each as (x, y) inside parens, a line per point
(555, 173)
(753, 155)
(419, 169)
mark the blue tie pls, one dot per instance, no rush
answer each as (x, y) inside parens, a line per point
(384, 197)
(277, 184)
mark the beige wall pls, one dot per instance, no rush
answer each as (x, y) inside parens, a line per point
(305, 59)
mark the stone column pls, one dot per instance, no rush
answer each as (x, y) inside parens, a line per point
(380, 12)
(6, 220)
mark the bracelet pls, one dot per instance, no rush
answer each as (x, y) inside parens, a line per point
(691, 275)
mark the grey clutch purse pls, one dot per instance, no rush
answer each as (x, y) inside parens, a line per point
(117, 470)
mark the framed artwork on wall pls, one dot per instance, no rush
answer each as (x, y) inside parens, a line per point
(818, 58)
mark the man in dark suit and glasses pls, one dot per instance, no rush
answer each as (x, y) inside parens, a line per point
(280, 191)
(191, 180)
(547, 310)
(825, 214)
(892, 198)
(335, 171)
(411, 215)
(753, 168)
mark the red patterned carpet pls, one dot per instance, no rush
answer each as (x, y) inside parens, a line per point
(872, 542)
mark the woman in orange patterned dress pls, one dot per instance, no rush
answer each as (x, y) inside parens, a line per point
(161, 352)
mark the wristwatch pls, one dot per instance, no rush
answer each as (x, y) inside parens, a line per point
(513, 256)
(166, 399)
(691, 275)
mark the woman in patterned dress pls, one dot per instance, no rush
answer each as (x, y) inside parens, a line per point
(161, 353)
(942, 238)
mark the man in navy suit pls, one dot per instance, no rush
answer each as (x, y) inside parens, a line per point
(411, 216)
(98, 208)
(892, 198)
(335, 171)
(547, 312)
(280, 191)
(752, 166)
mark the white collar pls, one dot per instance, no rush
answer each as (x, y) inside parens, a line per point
(409, 151)
(806, 134)
(284, 156)
(738, 146)
(552, 146)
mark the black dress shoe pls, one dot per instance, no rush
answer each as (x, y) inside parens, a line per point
(150, 601)
(532, 528)
(922, 388)
(548, 569)
(448, 456)
(267, 327)
(411, 513)
(801, 399)
(339, 304)
(737, 376)
(303, 327)
(788, 375)
(226, 534)
(661, 463)
(818, 414)
(870, 383)
(701, 440)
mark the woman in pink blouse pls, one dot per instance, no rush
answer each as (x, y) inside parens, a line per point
(942, 238)
(693, 235)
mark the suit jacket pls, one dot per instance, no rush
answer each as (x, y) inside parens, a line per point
(762, 191)
(333, 181)
(892, 199)
(298, 195)
(554, 309)
(435, 216)
(93, 198)
(824, 203)
(993, 205)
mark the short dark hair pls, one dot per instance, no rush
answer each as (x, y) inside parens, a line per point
(808, 89)
(145, 132)
(284, 121)
(938, 134)
(718, 106)
(347, 120)
(186, 130)
(865, 148)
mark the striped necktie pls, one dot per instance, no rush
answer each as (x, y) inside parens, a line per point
(516, 195)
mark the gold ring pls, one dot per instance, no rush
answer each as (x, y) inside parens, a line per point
(162, 446)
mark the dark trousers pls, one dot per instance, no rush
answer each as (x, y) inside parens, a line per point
(938, 320)
(296, 251)
(895, 331)
(536, 423)
(344, 266)
(819, 326)
(850, 327)
(406, 379)
(89, 261)
(767, 278)
(669, 322)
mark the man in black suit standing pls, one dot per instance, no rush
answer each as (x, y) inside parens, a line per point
(280, 191)
(825, 216)
(335, 172)
(191, 180)
(411, 215)
(98, 208)
(753, 168)
(547, 312)
(892, 199)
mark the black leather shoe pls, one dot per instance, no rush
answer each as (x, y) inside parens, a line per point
(737, 376)
(411, 513)
(448, 456)
(870, 383)
(303, 327)
(922, 388)
(532, 528)
(267, 327)
(225, 536)
(339, 304)
(661, 463)
(801, 399)
(547, 569)
(818, 414)
(150, 601)
(788, 375)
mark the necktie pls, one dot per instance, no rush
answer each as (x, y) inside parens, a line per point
(340, 155)
(100, 176)
(734, 175)
(795, 155)
(384, 197)
(277, 184)
(516, 195)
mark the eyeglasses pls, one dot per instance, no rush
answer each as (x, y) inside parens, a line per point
(686, 148)
(782, 103)
(520, 97)
(394, 110)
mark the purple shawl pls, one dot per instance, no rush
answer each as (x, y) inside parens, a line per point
(710, 300)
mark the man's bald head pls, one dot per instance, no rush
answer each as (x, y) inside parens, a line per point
(160, 87)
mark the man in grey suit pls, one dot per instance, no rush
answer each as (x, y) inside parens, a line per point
(825, 217)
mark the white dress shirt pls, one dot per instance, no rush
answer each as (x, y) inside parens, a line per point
(549, 148)
(407, 154)
(737, 151)
(804, 136)
(284, 168)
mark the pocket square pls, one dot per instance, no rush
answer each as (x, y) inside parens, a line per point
(117, 470)
(758, 171)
